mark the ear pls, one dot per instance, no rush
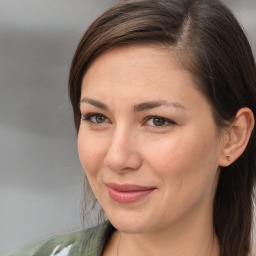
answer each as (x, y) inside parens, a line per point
(237, 137)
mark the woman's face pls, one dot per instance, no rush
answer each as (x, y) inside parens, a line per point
(147, 140)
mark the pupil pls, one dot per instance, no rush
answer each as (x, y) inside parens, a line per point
(158, 121)
(100, 119)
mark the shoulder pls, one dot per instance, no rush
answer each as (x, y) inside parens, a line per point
(89, 242)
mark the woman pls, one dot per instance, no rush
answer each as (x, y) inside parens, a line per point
(164, 99)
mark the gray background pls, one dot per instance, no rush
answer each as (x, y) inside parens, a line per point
(40, 175)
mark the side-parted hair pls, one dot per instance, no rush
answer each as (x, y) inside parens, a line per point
(209, 42)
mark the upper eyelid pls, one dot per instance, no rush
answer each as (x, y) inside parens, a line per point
(161, 117)
(93, 114)
(86, 112)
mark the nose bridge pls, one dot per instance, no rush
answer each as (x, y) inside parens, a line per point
(122, 151)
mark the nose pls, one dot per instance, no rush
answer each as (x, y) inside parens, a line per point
(122, 154)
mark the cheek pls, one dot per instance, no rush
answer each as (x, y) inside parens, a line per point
(169, 154)
(186, 171)
(91, 152)
(187, 159)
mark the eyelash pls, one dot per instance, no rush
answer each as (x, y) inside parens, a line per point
(167, 122)
(88, 118)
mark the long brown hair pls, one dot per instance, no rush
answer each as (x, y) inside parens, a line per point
(208, 40)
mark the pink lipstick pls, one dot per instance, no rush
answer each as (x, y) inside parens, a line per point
(128, 193)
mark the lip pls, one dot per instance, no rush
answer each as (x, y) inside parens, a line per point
(128, 193)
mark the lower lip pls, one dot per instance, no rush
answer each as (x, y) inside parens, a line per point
(126, 197)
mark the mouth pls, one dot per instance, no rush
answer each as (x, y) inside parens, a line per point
(128, 193)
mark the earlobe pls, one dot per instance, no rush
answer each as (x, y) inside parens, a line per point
(237, 137)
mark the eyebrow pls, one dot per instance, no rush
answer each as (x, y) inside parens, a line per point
(139, 107)
(154, 104)
(95, 103)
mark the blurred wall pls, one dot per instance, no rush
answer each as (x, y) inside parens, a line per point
(40, 176)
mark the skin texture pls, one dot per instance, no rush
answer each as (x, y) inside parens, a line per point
(125, 145)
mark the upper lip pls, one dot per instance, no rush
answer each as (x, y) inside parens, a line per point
(128, 187)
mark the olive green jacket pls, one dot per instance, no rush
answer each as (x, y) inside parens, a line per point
(89, 242)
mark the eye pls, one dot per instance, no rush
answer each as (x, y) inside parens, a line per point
(159, 121)
(95, 118)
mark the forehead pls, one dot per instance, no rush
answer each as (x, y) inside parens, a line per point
(141, 72)
(140, 61)
(127, 62)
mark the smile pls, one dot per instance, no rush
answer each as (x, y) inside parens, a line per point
(128, 193)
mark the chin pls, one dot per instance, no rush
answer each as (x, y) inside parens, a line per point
(130, 223)
(130, 228)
